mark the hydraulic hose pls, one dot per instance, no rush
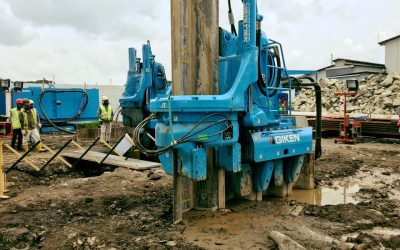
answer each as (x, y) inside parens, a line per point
(318, 102)
(231, 18)
(84, 103)
(275, 73)
(278, 72)
(190, 136)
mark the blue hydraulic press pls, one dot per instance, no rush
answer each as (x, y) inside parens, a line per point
(248, 124)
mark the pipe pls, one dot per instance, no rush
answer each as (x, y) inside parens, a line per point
(84, 153)
(274, 76)
(318, 102)
(231, 18)
(111, 150)
(55, 155)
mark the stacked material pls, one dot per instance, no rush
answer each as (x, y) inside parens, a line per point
(378, 94)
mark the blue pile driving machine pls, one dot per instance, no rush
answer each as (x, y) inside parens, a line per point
(249, 124)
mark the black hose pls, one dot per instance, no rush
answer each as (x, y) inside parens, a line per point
(187, 137)
(297, 85)
(233, 28)
(260, 81)
(278, 77)
(318, 102)
(84, 103)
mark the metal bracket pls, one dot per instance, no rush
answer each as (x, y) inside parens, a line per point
(19, 155)
(86, 151)
(22, 157)
(55, 154)
(111, 150)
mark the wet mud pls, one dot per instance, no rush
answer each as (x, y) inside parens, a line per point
(356, 206)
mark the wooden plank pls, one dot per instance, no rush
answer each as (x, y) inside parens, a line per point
(195, 53)
(3, 187)
(188, 199)
(20, 155)
(5, 184)
(195, 47)
(206, 192)
(2, 175)
(1, 156)
(180, 69)
(178, 192)
(77, 145)
(58, 157)
(307, 175)
(114, 160)
(221, 189)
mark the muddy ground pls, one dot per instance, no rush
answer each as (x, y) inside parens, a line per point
(357, 206)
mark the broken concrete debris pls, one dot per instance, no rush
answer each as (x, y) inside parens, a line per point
(284, 241)
(378, 94)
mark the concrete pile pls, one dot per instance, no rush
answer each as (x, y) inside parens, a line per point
(378, 94)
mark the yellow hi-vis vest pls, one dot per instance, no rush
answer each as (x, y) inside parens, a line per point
(34, 117)
(15, 118)
(25, 121)
(34, 113)
(106, 113)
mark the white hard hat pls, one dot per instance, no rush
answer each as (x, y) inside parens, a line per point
(104, 98)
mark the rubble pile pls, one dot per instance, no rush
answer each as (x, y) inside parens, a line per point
(378, 94)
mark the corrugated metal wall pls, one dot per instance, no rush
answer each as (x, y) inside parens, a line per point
(392, 56)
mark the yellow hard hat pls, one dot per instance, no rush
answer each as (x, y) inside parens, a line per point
(31, 102)
(104, 98)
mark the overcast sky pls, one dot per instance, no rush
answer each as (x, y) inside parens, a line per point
(81, 41)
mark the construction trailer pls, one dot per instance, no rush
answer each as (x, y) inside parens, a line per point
(58, 108)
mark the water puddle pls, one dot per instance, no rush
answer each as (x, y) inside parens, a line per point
(347, 190)
(327, 196)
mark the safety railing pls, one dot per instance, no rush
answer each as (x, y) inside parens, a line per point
(284, 74)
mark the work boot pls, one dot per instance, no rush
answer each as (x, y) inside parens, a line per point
(39, 148)
(25, 148)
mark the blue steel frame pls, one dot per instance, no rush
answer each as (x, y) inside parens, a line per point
(145, 81)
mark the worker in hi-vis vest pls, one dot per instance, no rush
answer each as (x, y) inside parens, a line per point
(39, 147)
(29, 123)
(16, 125)
(105, 115)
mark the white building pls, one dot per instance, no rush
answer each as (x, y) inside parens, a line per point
(344, 69)
(392, 54)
